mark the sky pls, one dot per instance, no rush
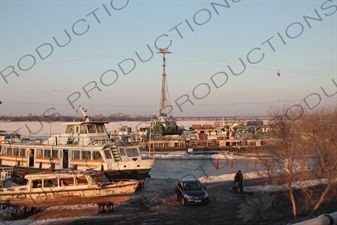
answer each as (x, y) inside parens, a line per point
(224, 61)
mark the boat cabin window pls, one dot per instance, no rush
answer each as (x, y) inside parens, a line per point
(81, 180)
(50, 183)
(100, 128)
(39, 153)
(98, 179)
(91, 128)
(9, 151)
(86, 155)
(107, 153)
(96, 155)
(67, 182)
(16, 152)
(132, 152)
(37, 183)
(122, 151)
(47, 153)
(54, 153)
(22, 152)
(70, 129)
(82, 129)
(76, 154)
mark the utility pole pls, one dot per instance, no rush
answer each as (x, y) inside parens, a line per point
(164, 99)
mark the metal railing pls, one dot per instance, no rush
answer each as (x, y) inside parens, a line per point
(324, 219)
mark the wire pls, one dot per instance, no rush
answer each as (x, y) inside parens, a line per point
(266, 67)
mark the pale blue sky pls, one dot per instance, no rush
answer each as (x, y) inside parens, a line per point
(307, 62)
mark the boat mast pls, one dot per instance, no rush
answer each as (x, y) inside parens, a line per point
(85, 117)
(164, 99)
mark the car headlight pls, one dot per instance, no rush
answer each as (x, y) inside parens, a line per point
(206, 195)
(186, 196)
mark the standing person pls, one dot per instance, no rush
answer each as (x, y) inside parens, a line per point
(239, 178)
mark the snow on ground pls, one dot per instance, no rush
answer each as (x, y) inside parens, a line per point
(156, 183)
(161, 183)
(266, 187)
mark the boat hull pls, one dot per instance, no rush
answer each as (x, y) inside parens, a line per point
(140, 174)
(58, 196)
(125, 174)
(138, 170)
(44, 201)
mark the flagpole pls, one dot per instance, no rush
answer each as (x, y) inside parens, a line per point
(0, 113)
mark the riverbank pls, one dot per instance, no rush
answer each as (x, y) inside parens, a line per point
(156, 204)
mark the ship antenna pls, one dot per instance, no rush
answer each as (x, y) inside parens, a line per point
(83, 111)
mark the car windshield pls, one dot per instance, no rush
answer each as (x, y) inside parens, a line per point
(192, 186)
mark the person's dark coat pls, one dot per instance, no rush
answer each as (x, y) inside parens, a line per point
(239, 178)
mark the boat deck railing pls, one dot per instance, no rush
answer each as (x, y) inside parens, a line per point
(6, 172)
(77, 140)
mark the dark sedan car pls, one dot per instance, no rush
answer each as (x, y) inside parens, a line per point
(191, 191)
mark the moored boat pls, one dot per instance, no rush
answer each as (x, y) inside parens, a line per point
(84, 145)
(66, 187)
(6, 137)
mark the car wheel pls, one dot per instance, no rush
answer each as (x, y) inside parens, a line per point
(106, 208)
(100, 208)
(183, 201)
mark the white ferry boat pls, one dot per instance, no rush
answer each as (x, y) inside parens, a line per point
(83, 145)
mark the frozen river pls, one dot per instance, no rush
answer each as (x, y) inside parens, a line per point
(178, 168)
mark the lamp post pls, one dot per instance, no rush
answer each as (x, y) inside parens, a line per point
(150, 134)
(150, 143)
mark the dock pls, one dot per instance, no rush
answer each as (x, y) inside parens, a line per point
(197, 145)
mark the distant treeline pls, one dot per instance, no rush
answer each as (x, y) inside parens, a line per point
(60, 118)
